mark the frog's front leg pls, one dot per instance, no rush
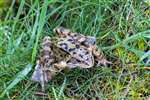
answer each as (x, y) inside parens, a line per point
(44, 60)
(99, 56)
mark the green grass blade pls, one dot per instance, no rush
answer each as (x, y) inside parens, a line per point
(40, 27)
(54, 92)
(18, 78)
(62, 88)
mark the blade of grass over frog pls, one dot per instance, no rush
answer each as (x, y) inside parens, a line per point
(40, 27)
(62, 89)
(18, 78)
(55, 95)
(143, 34)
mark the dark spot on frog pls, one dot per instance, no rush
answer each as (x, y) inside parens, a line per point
(86, 52)
(75, 35)
(71, 40)
(64, 46)
(74, 53)
(83, 49)
(61, 40)
(77, 46)
(81, 55)
(69, 33)
(87, 59)
(71, 49)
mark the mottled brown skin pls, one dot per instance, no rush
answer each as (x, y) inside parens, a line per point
(70, 50)
(97, 53)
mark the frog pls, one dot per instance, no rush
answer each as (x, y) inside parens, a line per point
(88, 42)
(66, 50)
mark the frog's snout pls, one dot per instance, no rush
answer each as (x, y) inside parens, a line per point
(90, 40)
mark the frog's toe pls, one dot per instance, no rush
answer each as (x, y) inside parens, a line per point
(104, 62)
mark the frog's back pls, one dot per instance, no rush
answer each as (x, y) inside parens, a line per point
(77, 51)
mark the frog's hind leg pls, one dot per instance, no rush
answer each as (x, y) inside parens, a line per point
(45, 58)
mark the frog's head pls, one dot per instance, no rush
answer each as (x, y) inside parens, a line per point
(85, 40)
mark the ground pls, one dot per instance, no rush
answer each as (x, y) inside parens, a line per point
(122, 30)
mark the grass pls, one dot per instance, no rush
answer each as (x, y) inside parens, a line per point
(122, 30)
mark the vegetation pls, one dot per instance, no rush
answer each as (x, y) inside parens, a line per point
(122, 29)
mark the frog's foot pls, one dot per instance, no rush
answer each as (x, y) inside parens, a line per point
(99, 56)
(103, 62)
